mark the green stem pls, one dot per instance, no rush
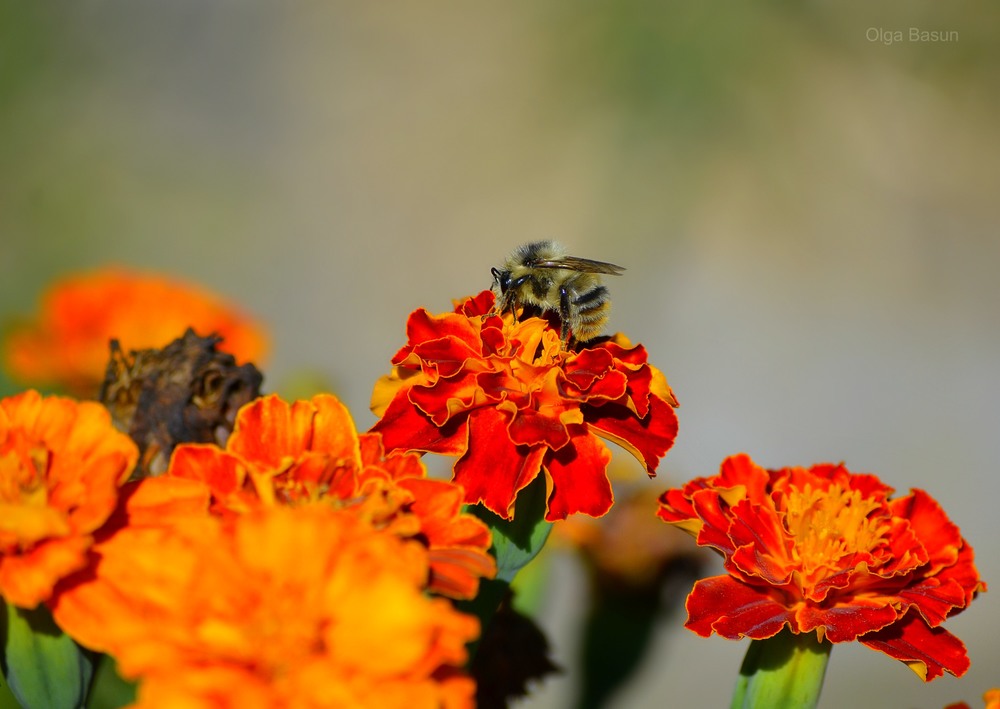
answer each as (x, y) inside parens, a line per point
(784, 671)
(515, 543)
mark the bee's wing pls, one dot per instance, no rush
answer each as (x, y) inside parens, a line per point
(584, 265)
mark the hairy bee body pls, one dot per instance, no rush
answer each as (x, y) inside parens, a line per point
(542, 275)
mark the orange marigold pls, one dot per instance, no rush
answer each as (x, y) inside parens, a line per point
(67, 346)
(507, 399)
(826, 550)
(281, 453)
(307, 606)
(61, 463)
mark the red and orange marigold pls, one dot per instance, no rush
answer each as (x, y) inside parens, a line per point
(828, 551)
(67, 346)
(61, 464)
(507, 399)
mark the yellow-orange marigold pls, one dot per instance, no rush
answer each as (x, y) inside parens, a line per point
(304, 606)
(67, 346)
(61, 463)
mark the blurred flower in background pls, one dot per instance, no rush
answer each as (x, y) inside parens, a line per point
(67, 345)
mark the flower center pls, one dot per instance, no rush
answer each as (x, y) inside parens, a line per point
(829, 525)
(23, 469)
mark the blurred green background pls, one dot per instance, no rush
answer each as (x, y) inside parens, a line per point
(805, 197)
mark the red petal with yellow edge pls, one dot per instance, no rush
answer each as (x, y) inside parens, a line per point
(935, 598)
(938, 534)
(929, 652)
(583, 369)
(407, 465)
(405, 427)
(500, 386)
(846, 621)
(675, 508)
(494, 469)
(591, 375)
(635, 355)
(647, 439)
(902, 553)
(445, 398)
(759, 538)
(493, 340)
(423, 327)
(709, 506)
(739, 471)
(445, 357)
(529, 428)
(965, 574)
(579, 478)
(480, 304)
(632, 362)
(734, 610)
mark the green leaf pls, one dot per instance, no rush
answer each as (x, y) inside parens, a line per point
(44, 668)
(109, 690)
(518, 540)
(784, 671)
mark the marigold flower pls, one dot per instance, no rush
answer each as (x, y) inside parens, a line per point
(68, 344)
(826, 550)
(281, 453)
(61, 463)
(507, 399)
(305, 606)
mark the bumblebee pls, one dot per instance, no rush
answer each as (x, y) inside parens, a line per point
(542, 275)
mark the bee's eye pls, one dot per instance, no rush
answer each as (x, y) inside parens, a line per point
(501, 278)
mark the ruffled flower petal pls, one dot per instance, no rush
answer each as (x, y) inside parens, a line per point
(61, 465)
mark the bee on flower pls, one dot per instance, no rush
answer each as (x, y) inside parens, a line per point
(505, 397)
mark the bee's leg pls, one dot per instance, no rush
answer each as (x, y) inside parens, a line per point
(564, 315)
